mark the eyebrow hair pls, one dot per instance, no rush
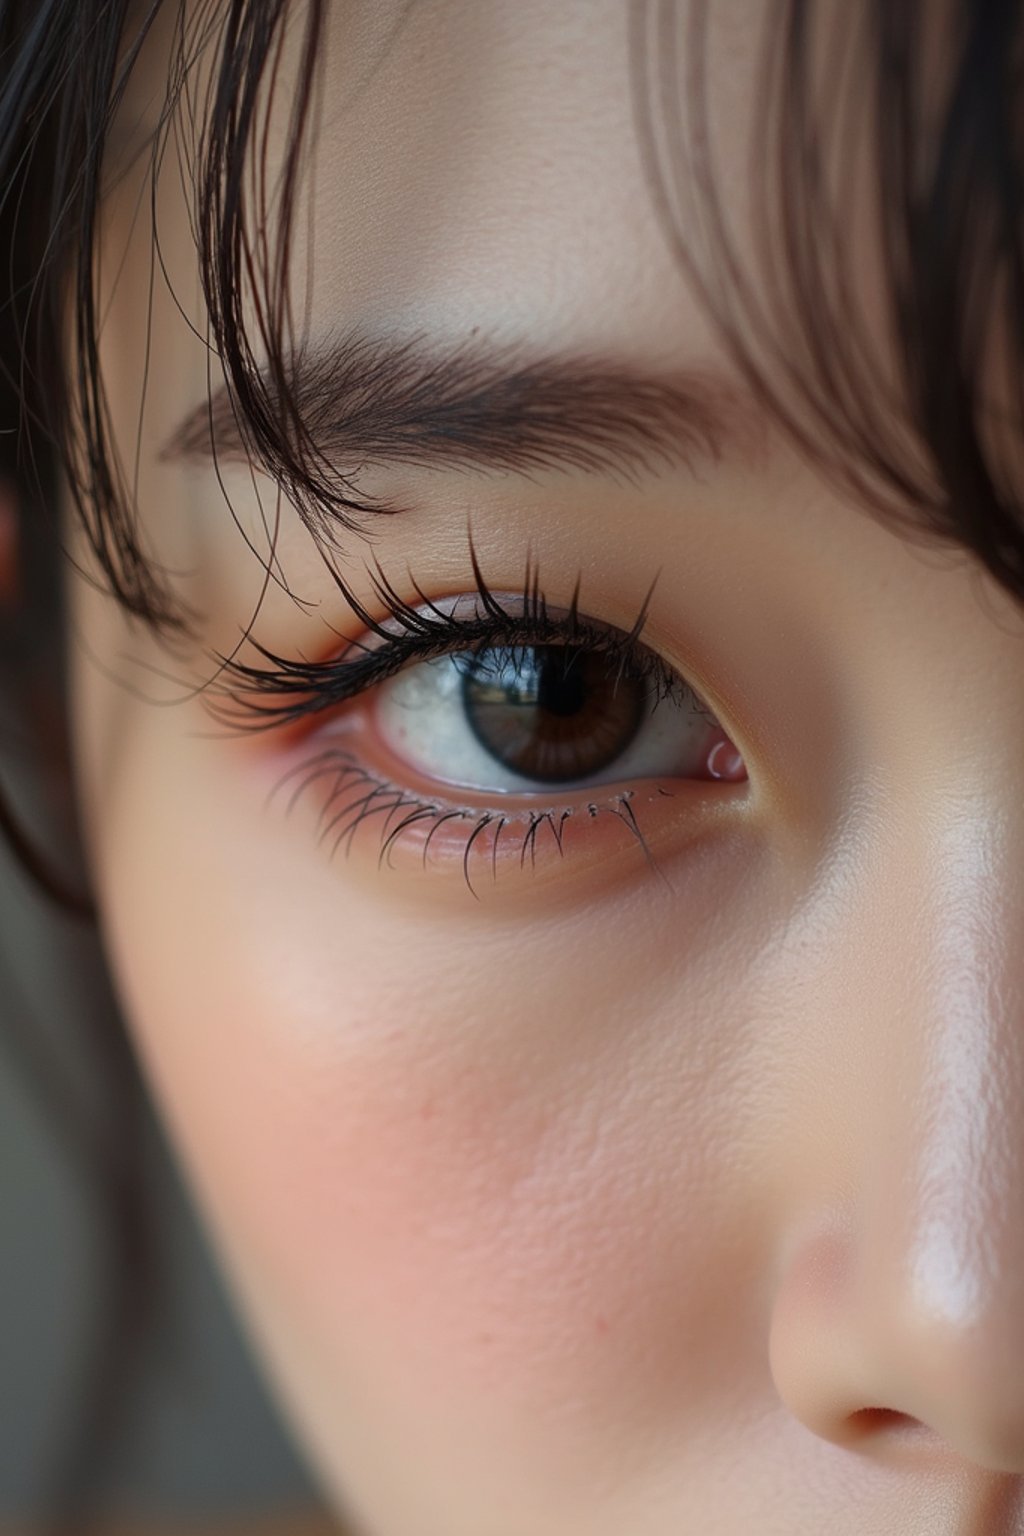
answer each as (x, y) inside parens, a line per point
(363, 400)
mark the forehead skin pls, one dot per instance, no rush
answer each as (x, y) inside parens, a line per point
(623, 1201)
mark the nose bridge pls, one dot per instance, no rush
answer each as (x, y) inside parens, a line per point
(953, 1218)
(908, 1304)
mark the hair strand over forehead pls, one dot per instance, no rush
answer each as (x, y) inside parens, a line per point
(922, 421)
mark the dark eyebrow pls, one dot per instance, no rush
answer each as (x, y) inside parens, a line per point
(366, 400)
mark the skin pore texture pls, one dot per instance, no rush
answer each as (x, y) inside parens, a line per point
(653, 1185)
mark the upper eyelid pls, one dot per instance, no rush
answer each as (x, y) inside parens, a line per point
(514, 629)
(323, 684)
(554, 621)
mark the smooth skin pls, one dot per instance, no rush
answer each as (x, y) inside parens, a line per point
(628, 1196)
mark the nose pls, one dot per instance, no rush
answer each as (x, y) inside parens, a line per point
(898, 1308)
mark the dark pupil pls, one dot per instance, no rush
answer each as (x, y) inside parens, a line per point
(551, 712)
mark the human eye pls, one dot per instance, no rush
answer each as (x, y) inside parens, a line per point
(566, 714)
(486, 725)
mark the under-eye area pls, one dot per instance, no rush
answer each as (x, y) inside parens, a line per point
(351, 801)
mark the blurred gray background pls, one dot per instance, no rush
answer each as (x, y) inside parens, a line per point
(202, 1441)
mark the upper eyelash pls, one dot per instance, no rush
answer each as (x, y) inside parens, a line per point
(290, 689)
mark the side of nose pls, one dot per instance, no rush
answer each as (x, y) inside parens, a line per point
(898, 1315)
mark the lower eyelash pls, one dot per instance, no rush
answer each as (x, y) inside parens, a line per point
(355, 795)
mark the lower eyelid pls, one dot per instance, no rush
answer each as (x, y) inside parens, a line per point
(363, 818)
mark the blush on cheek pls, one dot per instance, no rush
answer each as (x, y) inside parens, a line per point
(464, 1196)
(458, 1251)
(426, 1227)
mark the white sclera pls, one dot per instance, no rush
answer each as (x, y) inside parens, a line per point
(421, 717)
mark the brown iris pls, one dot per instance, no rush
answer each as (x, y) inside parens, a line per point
(551, 712)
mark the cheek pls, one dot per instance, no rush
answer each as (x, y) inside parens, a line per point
(478, 1165)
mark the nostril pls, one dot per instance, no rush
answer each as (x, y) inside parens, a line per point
(867, 1423)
